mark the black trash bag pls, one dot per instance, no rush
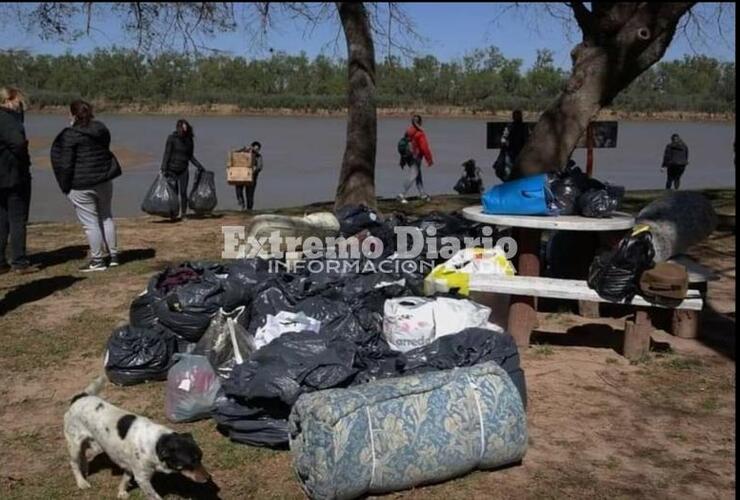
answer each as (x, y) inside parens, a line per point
(252, 426)
(467, 348)
(600, 202)
(503, 165)
(355, 218)
(291, 365)
(202, 198)
(243, 280)
(563, 190)
(615, 274)
(142, 312)
(187, 311)
(136, 355)
(161, 199)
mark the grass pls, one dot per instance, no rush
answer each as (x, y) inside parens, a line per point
(542, 350)
(53, 344)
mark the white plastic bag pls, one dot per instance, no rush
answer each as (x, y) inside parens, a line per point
(411, 322)
(408, 322)
(284, 322)
(452, 316)
(192, 386)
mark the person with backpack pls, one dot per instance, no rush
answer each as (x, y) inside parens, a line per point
(85, 167)
(178, 154)
(675, 159)
(413, 148)
(241, 189)
(15, 182)
(471, 181)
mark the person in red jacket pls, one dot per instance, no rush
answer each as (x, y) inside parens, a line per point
(419, 151)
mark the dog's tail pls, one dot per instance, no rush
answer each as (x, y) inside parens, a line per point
(91, 390)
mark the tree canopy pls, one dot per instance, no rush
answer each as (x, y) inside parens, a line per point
(483, 79)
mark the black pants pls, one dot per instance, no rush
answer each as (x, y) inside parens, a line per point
(14, 205)
(241, 189)
(182, 179)
(673, 176)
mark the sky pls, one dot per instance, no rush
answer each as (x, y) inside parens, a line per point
(448, 31)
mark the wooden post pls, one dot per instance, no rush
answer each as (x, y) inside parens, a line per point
(523, 309)
(588, 309)
(589, 150)
(637, 336)
(685, 324)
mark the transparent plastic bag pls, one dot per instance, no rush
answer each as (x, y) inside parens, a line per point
(192, 387)
(226, 343)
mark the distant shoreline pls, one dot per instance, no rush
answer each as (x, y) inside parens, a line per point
(435, 111)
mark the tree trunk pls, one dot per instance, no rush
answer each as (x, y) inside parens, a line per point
(620, 41)
(357, 177)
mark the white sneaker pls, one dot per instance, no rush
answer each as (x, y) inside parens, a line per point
(402, 199)
(94, 265)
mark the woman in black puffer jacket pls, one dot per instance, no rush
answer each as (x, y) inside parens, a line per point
(15, 181)
(178, 154)
(85, 167)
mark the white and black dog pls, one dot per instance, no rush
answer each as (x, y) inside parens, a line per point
(136, 444)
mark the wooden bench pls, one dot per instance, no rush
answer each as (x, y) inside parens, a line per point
(637, 330)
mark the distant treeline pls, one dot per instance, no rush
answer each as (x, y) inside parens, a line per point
(482, 80)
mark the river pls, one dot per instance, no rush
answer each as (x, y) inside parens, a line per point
(302, 156)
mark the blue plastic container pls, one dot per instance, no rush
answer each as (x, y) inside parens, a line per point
(520, 197)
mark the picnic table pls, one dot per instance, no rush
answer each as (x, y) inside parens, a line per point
(527, 232)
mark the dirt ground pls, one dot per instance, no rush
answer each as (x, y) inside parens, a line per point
(599, 425)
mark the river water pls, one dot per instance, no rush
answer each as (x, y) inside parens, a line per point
(302, 156)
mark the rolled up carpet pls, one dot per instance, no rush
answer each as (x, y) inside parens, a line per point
(394, 434)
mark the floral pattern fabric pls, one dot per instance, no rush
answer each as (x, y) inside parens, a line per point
(397, 433)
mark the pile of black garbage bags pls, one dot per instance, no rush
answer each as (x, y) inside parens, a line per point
(571, 192)
(256, 396)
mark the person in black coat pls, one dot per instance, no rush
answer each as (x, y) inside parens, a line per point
(178, 154)
(675, 159)
(85, 167)
(15, 182)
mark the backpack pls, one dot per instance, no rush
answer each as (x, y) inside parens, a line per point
(404, 146)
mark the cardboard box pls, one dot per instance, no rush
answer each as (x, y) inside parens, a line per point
(239, 168)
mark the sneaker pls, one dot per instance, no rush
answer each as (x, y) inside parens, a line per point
(426, 197)
(402, 199)
(113, 261)
(94, 265)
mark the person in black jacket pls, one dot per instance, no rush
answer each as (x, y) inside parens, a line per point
(15, 182)
(675, 159)
(178, 154)
(85, 167)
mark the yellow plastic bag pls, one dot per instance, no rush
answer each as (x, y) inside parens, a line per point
(455, 273)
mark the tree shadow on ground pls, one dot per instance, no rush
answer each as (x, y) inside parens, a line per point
(35, 290)
(165, 484)
(79, 252)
